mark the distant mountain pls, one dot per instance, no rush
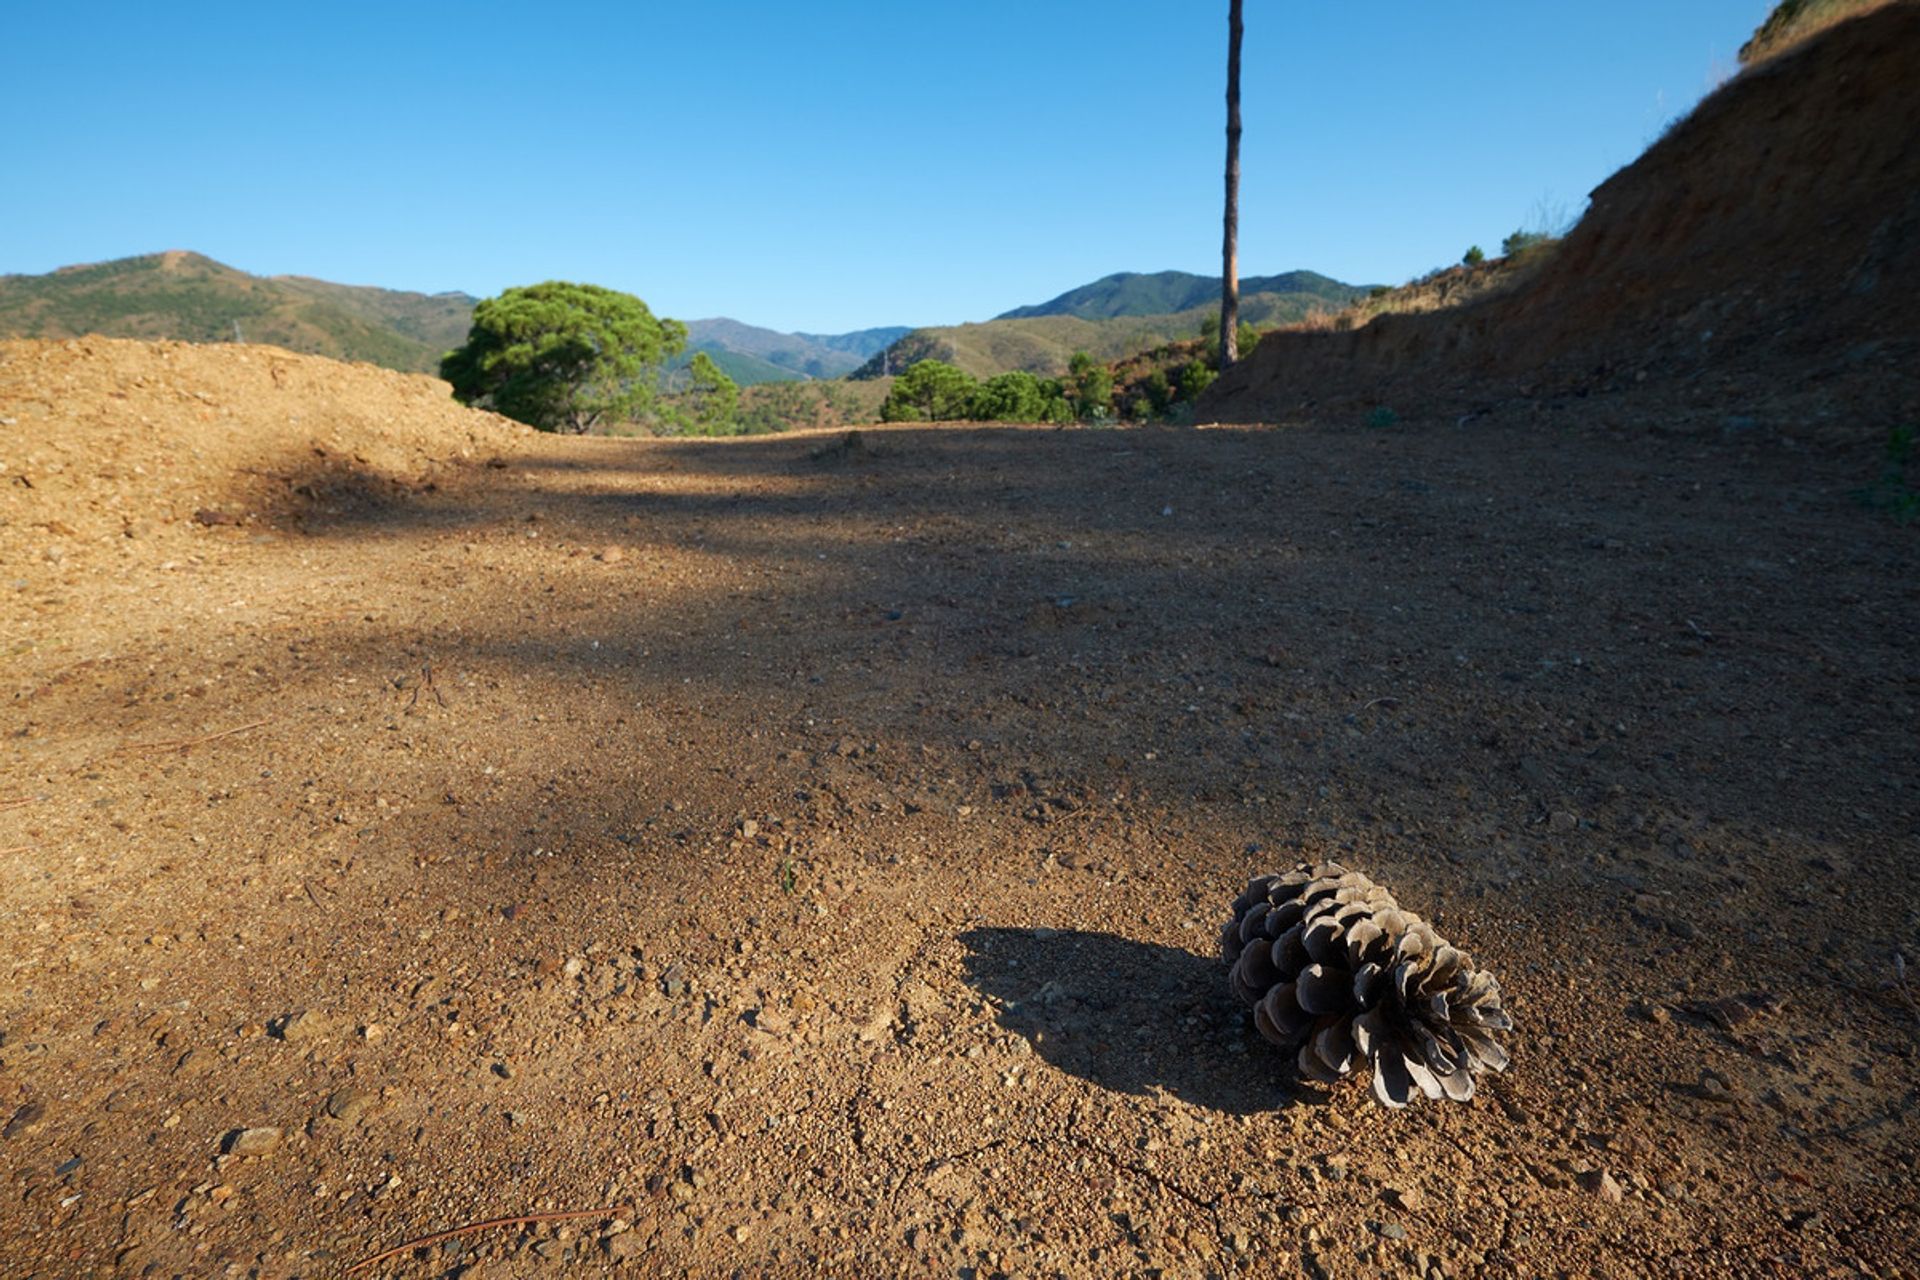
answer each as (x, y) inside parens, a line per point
(861, 342)
(193, 298)
(745, 370)
(770, 356)
(1129, 293)
(1102, 319)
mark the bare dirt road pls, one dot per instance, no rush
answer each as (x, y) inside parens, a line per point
(815, 854)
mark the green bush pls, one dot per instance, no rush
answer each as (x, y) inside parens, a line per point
(1019, 397)
(1195, 376)
(1474, 256)
(931, 391)
(1092, 384)
(1521, 241)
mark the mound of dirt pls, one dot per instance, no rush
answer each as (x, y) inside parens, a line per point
(107, 440)
(1769, 244)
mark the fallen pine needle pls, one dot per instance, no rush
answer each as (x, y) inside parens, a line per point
(472, 1227)
(184, 743)
(17, 801)
(18, 848)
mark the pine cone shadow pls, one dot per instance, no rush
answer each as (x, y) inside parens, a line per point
(1130, 1016)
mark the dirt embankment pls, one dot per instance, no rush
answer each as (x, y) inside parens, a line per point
(1763, 256)
(107, 441)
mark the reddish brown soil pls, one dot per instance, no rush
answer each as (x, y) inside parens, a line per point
(818, 851)
(1762, 259)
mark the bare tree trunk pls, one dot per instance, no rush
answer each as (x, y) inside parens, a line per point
(1230, 276)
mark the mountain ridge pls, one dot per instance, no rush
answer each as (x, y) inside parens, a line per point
(1152, 293)
(184, 295)
(1102, 319)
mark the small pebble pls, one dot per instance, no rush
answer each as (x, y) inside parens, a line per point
(253, 1142)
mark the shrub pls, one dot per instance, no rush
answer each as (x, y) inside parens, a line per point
(931, 391)
(1521, 241)
(1092, 387)
(1195, 376)
(1019, 397)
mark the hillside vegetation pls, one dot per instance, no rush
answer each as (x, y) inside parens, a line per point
(1043, 344)
(1794, 20)
(191, 298)
(188, 297)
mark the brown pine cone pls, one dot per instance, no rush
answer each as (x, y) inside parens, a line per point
(1336, 971)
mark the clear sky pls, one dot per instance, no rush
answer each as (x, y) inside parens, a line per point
(828, 166)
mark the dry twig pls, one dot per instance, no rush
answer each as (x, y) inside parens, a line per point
(183, 743)
(430, 687)
(17, 801)
(526, 1219)
(20, 848)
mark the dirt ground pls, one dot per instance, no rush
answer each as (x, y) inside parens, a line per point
(814, 854)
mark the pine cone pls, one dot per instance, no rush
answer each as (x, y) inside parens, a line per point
(1334, 969)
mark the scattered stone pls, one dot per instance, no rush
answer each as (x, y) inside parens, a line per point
(348, 1105)
(1408, 1198)
(307, 1024)
(610, 555)
(25, 1120)
(253, 1142)
(625, 1247)
(1392, 1231)
(194, 1062)
(210, 517)
(1735, 1011)
(1599, 1182)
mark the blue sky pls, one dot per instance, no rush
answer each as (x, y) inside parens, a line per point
(823, 167)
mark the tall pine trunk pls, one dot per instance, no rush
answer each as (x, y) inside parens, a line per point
(1230, 253)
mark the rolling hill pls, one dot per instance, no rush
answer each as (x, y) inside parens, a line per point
(1041, 339)
(190, 297)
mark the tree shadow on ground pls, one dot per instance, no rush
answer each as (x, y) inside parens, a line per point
(1130, 1016)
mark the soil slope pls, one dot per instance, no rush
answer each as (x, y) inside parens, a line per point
(1764, 255)
(813, 852)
